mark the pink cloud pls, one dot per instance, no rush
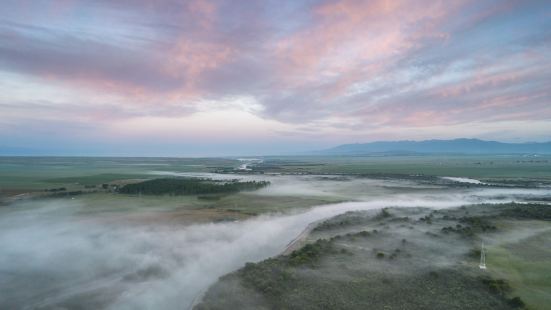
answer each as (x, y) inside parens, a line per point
(355, 40)
(171, 67)
(363, 63)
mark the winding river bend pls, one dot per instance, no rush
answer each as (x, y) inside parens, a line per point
(52, 257)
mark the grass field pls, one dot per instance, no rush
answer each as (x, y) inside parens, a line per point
(490, 166)
(525, 262)
(77, 204)
(242, 203)
(37, 173)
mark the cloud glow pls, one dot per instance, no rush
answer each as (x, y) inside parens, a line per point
(322, 71)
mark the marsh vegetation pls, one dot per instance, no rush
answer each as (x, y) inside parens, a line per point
(394, 258)
(355, 232)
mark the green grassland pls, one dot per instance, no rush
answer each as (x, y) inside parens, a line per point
(479, 166)
(36, 173)
(186, 209)
(400, 258)
(526, 263)
(82, 179)
(20, 174)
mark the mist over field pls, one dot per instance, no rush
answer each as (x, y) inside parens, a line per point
(268, 155)
(62, 253)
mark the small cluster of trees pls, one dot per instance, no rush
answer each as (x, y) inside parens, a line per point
(529, 211)
(271, 277)
(189, 186)
(502, 288)
(471, 225)
(59, 194)
(340, 222)
(311, 253)
(54, 190)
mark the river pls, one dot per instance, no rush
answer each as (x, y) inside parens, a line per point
(52, 257)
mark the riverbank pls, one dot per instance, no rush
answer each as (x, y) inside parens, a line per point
(402, 258)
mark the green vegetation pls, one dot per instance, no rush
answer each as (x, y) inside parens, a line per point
(60, 189)
(470, 226)
(514, 169)
(383, 214)
(273, 286)
(19, 175)
(502, 288)
(189, 186)
(311, 253)
(529, 211)
(516, 302)
(348, 264)
(356, 260)
(273, 278)
(345, 220)
(497, 286)
(96, 179)
(524, 263)
(64, 194)
(24, 174)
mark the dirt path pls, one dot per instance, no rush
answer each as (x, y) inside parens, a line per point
(299, 241)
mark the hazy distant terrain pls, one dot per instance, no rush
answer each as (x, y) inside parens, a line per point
(457, 146)
(73, 238)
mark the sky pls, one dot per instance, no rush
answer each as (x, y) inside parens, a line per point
(223, 77)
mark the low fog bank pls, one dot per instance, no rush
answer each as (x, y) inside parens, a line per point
(345, 187)
(52, 256)
(463, 180)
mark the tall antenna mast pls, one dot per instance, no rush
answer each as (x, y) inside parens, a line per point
(482, 257)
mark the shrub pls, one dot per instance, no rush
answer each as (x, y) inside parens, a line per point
(497, 286)
(516, 302)
(531, 211)
(311, 253)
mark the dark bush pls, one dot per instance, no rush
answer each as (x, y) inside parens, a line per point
(497, 286)
(189, 186)
(311, 253)
(516, 302)
(529, 211)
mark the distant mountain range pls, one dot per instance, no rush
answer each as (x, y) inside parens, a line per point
(456, 146)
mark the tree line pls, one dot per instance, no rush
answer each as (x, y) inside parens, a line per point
(189, 186)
